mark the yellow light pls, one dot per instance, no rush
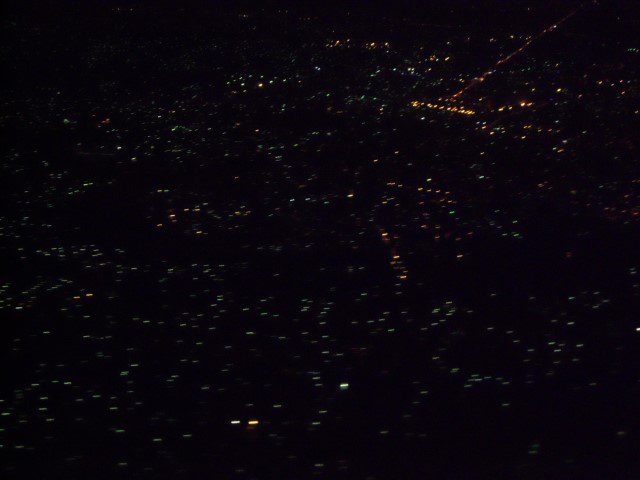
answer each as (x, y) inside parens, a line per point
(253, 422)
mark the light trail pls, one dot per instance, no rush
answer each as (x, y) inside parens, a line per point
(516, 52)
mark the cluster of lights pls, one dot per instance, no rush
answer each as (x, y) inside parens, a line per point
(337, 43)
(371, 45)
(347, 43)
(398, 266)
(523, 104)
(250, 422)
(396, 262)
(444, 108)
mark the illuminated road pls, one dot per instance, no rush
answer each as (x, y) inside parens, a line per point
(516, 52)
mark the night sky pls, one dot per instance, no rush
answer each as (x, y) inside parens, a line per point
(334, 240)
